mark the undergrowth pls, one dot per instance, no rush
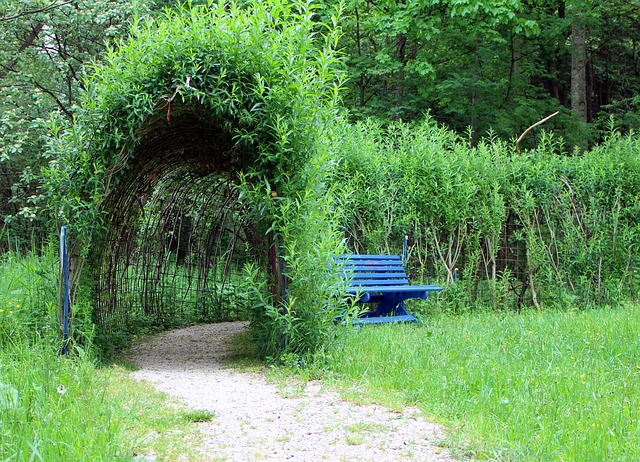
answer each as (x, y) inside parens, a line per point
(55, 407)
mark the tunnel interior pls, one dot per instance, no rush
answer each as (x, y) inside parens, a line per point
(177, 234)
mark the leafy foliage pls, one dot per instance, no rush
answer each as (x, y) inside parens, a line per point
(249, 69)
(493, 66)
(259, 82)
(558, 229)
(44, 47)
(300, 320)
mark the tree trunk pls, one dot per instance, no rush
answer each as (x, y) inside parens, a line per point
(473, 123)
(579, 69)
(398, 91)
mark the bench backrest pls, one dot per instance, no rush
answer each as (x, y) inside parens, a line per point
(372, 270)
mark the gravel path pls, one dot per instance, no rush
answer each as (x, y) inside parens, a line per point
(254, 420)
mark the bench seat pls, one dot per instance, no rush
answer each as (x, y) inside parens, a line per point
(380, 280)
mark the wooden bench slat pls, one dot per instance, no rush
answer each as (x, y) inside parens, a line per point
(366, 256)
(381, 263)
(358, 276)
(385, 319)
(380, 279)
(375, 282)
(399, 288)
(360, 267)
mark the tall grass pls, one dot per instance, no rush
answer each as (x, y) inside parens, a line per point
(522, 229)
(65, 408)
(54, 408)
(28, 298)
(538, 386)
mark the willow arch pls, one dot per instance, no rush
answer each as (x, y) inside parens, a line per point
(195, 103)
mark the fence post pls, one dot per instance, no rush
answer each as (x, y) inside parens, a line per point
(404, 249)
(283, 276)
(64, 271)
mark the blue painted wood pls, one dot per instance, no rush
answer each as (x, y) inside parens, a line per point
(64, 262)
(382, 281)
(383, 320)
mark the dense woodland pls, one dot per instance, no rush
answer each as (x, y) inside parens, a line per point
(500, 138)
(480, 67)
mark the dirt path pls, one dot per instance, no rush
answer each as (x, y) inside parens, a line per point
(255, 421)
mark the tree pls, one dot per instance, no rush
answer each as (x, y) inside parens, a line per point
(495, 66)
(44, 49)
(579, 65)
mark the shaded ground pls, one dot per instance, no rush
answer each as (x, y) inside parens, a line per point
(257, 420)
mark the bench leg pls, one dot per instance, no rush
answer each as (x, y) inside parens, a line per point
(398, 315)
(388, 306)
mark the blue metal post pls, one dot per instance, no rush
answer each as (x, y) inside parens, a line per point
(404, 249)
(282, 275)
(64, 262)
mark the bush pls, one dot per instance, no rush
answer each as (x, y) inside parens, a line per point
(536, 228)
(257, 83)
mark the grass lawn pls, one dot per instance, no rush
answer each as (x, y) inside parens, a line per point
(548, 386)
(55, 408)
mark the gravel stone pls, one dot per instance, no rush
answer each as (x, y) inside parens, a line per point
(257, 420)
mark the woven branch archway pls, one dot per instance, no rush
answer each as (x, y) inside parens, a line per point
(148, 174)
(177, 235)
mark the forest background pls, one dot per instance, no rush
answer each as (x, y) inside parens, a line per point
(479, 67)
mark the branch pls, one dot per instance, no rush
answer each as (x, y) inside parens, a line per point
(27, 13)
(55, 98)
(33, 35)
(540, 122)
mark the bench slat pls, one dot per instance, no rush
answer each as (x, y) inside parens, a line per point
(375, 282)
(384, 319)
(371, 263)
(365, 256)
(397, 288)
(380, 264)
(382, 280)
(358, 276)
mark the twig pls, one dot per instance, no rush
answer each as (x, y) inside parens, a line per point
(540, 122)
(39, 10)
(175, 93)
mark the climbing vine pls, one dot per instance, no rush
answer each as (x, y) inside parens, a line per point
(265, 74)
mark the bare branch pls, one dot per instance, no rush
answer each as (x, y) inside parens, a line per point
(540, 122)
(55, 98)
(33, 35)
(39, 10)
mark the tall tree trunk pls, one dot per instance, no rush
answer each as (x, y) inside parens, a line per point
(579, 69)
(401, 44)
(473, 123)
(514, 70)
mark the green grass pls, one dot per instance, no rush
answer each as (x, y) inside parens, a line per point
(55, 408)
(541, 386)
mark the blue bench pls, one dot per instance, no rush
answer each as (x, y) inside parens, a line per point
(380, 280)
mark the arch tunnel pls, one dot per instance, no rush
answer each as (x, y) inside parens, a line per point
(177, 235)
(149, 173)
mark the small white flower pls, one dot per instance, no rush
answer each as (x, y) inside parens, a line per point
(62, 389)
(504, 400)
